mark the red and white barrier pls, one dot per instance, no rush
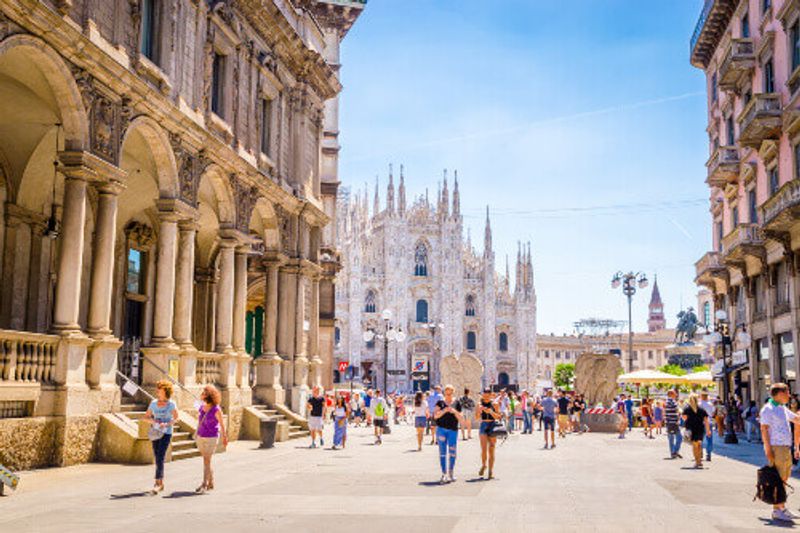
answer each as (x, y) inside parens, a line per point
(600, 411)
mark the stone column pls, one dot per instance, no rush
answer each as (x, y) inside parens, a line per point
(103, 261)
(103, 353)
(301, 363)
(165, 278)
(70, 264)
(240, 298)
(271, 309)
(184, 302)
(224, 322)
(316, 365)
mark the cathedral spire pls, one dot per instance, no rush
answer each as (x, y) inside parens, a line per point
(401, 193)
(445, 198)
(529, 269)
(376, 206)
(656, 320)
(508, 276)
(390, 193)
(519, 280)
(456, 198)
(487, 235)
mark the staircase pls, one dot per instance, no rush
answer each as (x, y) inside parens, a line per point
(183, 445)
(295, 430)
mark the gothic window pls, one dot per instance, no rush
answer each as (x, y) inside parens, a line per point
(470, 306)
(472, 341)
(337, 336)
(266, 120)
(422, 311)
(502, 343)
(369, 302)
(149, 30)
(135, 278)
(421, 259)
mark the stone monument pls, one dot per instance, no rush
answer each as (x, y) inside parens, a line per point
(596, 378)
(464, 371)
(686, 353)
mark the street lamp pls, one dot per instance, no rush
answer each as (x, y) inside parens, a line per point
(629, 282)
(721, 337)
(432, 326)
(389, 333)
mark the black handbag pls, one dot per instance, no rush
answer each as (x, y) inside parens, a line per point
(498, 430)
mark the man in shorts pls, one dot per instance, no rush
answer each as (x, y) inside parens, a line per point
(578, 405)
(777, 436)
(380, 415)
(316, 415)
(564, 404)
(549, 406)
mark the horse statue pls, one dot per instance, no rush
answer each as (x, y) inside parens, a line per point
(687, 327)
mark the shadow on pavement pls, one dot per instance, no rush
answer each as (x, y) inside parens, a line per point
(476, 480)
(183, 494)
(777, 523)
(432, 484)
(129, 495)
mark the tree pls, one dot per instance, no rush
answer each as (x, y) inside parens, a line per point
(675, 370)
(564, 375)
(701, 368)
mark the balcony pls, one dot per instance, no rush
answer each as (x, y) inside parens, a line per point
(708, 268)
(723, 166)
(782, 210)
(711, 25)
(760, 120)
(737, 65)
(746, 240)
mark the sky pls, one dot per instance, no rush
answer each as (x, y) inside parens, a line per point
(580, 123)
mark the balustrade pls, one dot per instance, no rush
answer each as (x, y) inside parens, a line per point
(27, 357)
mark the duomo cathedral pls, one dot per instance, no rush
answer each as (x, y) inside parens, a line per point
(412, 282)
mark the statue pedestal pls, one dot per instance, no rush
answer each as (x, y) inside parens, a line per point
(686, 356)
(601, 423)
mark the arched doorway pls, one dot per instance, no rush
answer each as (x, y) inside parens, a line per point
(503, 379)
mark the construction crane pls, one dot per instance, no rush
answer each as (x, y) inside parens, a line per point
(599, 335)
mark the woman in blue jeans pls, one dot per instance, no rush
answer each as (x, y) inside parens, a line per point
(447, 415)
(161, 414)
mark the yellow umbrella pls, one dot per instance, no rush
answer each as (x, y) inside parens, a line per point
(699, 378)
(647, 377)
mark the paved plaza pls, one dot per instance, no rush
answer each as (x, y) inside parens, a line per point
(592, 482)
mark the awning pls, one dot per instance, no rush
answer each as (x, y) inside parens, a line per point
(647, 377)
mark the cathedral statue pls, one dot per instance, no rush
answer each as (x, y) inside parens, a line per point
(687, 327)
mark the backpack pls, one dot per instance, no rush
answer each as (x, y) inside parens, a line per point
(770, 488)
(379, 409)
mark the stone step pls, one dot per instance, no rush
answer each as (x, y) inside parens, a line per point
(136, 415)
(185, 454)
(181, 445)
(181, 436)
(132, 407)
(296, 432)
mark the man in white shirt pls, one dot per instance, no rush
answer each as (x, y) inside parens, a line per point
(708, 407)
(777, 436)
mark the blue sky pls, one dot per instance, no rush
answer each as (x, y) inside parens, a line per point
(580, 123)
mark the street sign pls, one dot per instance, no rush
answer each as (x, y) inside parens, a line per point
(419, 363)
(342, 366)
(396, 372)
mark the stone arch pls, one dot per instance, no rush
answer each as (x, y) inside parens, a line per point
(43, 61)
(146, 135)
(264, 223)
(216, 209)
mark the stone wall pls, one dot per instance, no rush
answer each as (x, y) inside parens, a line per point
(28, 442)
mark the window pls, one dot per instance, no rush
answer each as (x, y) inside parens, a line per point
(472, 341)
(729, 131)
(371, 343)
(719, 230)
(547, 354)
(759, 295)
(765, 5)
(713, 88)
(421, 259)
(797, 161)
(135, 279)
(369, 302)
(747, 96)
(266, 123)
(740, 306)
(769, 76)
(217, 84)
(746, 25)
(735, 215)
(787, 358)
(337, 335)
(773, 180)
(650, 354)
(502, 343)
(470, 306)
(794, 41)
(422, 311)
(781, 284)
(147, 36)
(707, 314)
(752, 206)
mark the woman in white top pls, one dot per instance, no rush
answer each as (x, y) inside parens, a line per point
(420, 417)
(340, 415)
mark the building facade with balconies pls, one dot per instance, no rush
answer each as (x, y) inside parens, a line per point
(750, 53)
(165, 165)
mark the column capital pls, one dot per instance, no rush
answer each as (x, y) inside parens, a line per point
(110, 187)
(188, 224)
(174, 209)
(87, 166)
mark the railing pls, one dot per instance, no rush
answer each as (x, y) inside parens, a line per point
(739, 58)
(27, 357)
(725, 159)
(701, 22)
(744, 234)
(710, 261)
(786, 197)
(207, 370)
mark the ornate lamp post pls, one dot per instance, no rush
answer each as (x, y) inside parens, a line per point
(433, 327)
(389, 333)
(629, 282)
(721, 337)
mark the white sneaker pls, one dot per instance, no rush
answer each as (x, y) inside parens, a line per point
(445, 480)
(781, 515)
(790, 514)
(452, 477)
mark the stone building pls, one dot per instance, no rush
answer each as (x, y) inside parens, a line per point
(447, 298)
(748, 50)
(164, 164)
